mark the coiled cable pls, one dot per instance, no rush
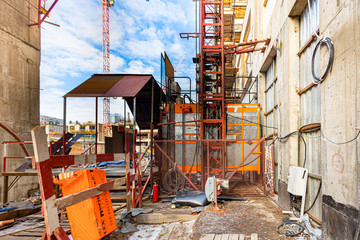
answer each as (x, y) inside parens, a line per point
(330, 45)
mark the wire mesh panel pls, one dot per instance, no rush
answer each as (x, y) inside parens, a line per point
(243, 124)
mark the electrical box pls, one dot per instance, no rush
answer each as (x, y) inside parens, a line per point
(210, 189)
(297, 181)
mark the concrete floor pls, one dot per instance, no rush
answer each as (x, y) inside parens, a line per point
(259, 215)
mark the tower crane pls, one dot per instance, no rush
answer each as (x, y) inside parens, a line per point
(106, 129)
(181, 59)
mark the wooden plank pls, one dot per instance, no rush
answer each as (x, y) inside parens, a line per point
(254, 236)
(225, 237)
(7, 234)
(19, 174)
(217, 237)
(72, 199)
(21, 238)
(242, 237)
(5, 189)
(44, 171)
(207, 237)
(17, 213)
(3, 223)
(234, 237)
(117, 208)
(28, 234)
(117, 204)
(158, 218)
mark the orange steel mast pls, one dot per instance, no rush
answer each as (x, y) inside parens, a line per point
(212, 87)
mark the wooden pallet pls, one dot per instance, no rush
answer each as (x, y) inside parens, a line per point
(253, 236)
(31, 233)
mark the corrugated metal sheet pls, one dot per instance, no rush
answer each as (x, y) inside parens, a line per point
(127, 86)
(110, 85)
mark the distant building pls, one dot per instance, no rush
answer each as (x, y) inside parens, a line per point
(53, 127)
(50, 120)
(114, 117)
(88, 130)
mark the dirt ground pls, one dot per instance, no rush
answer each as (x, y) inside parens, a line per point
(259, 215)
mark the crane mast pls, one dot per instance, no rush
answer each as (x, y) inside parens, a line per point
(106, 129)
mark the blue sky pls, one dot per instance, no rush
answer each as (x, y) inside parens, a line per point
(139, 31)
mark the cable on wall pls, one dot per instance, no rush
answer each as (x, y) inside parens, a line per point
(340, 143)
(330, 45)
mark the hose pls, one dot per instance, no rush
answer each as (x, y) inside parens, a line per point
(330, 46)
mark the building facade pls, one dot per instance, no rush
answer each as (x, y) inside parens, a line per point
(19, 82)
(51, 120)
(313, 123)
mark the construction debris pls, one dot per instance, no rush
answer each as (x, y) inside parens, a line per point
(159, 218)
(126, 217)
(190, 198)
(12, 210)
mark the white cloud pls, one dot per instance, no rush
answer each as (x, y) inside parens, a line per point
(138, 67)
(48, 82)
(139, 32)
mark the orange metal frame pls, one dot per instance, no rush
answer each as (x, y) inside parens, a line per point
(244, 108)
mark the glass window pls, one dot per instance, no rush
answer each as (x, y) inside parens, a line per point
(310, 101)
(269, 8)
(271, 98)
(310, 110)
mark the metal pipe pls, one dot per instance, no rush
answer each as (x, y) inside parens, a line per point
(47, 12)
(183, 77)
(4, 160)
(124, 113)
(87, 149)
(17, 138)
(134, 151)
(64, 125)
(151, 129)
(96, 125)
(170, 123)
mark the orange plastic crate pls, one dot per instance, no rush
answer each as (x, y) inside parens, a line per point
(93, 218)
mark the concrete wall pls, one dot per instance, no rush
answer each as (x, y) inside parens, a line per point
(338, 205)
(19, 81)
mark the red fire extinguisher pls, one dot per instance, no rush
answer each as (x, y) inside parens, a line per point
(155, 192)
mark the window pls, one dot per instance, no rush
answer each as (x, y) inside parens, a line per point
(271, 98)
(310, 99)
(269, 8)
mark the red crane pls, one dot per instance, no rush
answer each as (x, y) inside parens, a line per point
(106, 129)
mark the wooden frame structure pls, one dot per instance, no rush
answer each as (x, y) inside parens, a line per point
(51, 205)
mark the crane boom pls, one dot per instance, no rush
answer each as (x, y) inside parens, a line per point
(181, 59)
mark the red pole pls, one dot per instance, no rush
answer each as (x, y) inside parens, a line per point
(63, 143)
(4, 164)
(96, 125)
(50, 148)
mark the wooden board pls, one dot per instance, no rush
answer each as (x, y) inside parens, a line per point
(207, 237)
(158, 218)
(32, 232)
(225, 237)
(217, 237)
(253, 236)
(234, 237)
(18, 213)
